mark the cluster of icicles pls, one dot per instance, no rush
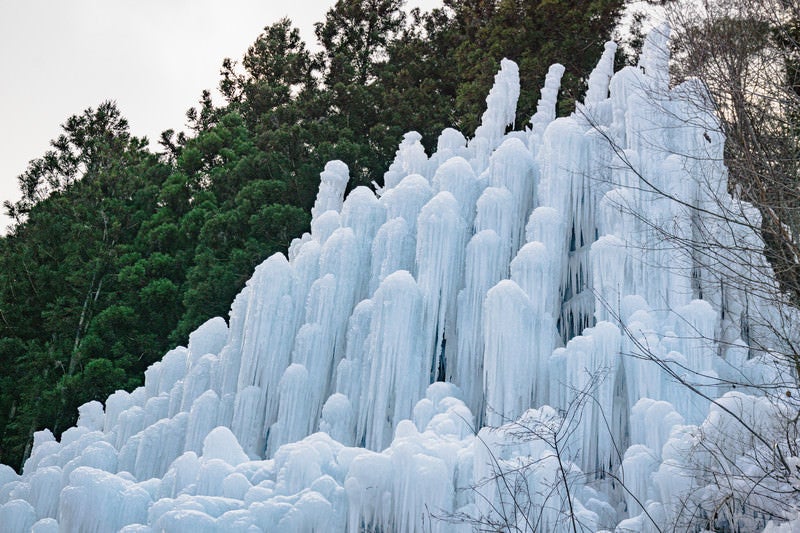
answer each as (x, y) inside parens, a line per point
(371, 381)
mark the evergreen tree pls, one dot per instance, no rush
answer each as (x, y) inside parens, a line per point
(80, 204)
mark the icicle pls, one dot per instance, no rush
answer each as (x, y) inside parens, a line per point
(393, 249)
(409, 159)
(162, 375)
(609, 268)
(546, 106)
(364, 214)
(486, 264)
(197, 381)
(97, 501)
(353, 371)
(294, 411)
(654, 60)
(451, 143)
(636, 471)
(296, 245)
(324, 225)
(441, 238)
(202, 419)
(651, 423)
(496, 210)
(209, 338)
(333, 181)
(337, 419)
(600, 77)
(511, 166)
(509, 340)
(501, 109)
(399, 370)
(456, 177)
(591, 363)
(532, 271)
(407, 199)
(266, 348)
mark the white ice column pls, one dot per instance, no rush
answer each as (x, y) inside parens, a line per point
(410, 158)
(295, 412)
(501, 110)
(399, 371)
(441, 242)
(596, 111)
(495, 212)
(331, 188)
(393, 249)
(331, 302)
(406, 200)
(566, 187)
(511, 166)
(532, 270)
(600, 77)
(451, 143)
(456, 177)
(509, 371)
(610, 269)
(353, 371)
(546, 106)
(202, 419)
(695, 326)
(364, 214)
(338, 419)
(268, 338)
(547, 226)
(586, 382)
(654, 59)
(486, 264)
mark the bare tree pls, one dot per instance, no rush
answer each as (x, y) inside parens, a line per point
(741, 463)
(530, 474)
(747, 52)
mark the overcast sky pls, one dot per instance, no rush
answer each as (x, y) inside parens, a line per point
(154, 57)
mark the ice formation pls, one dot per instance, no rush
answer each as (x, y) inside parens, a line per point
(475, 340)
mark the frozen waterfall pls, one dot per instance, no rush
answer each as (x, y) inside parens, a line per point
(483, 328)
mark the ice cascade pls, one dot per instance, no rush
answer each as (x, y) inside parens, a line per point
(474, 338)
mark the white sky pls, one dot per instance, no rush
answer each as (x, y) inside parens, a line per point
(154, 57)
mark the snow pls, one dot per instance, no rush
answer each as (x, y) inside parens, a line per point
(501, 326)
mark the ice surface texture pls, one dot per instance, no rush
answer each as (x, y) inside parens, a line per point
(516, 280)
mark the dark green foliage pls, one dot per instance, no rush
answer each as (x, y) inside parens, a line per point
(117, 253)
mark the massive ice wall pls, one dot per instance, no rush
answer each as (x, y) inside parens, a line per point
(519, 281)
